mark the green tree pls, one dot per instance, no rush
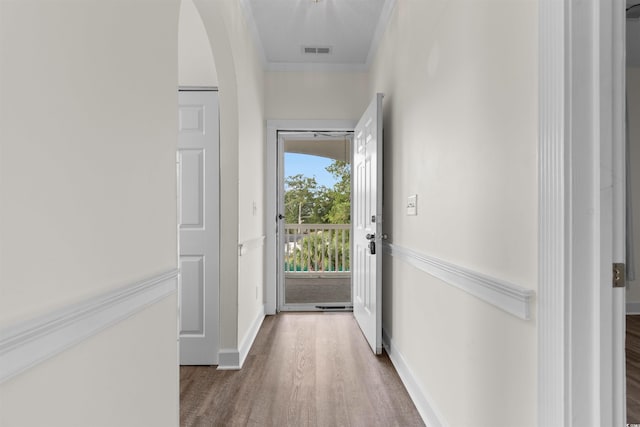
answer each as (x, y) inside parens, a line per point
(320, 251)
(340, 194)
(304, 200)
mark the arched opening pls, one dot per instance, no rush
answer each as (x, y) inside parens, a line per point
(196, 63)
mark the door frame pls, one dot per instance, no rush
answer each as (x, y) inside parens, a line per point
(280, 277)
(271, 205)
(581, 125)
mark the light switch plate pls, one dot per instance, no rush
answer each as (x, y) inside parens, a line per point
(412, 205)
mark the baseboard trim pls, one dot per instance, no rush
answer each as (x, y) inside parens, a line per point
(228, 359)
(424, 404)
(511, 298)
(232, 359)
(633, 308)
(27, 344)
(250, 336)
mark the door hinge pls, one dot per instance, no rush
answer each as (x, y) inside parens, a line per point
(619, 280)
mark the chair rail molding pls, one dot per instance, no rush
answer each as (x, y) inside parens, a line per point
(509, 297)
(27, 344)
(250, 244)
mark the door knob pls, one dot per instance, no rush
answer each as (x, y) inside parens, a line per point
(371, 236)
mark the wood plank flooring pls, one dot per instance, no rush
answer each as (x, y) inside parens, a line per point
(304, 369)
(633, 369)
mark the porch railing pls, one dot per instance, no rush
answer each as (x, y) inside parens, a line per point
(324, 248)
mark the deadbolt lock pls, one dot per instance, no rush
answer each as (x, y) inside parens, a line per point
(619, 280)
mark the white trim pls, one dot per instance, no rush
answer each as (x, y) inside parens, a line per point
(317, 274)
(316, 66)
(228, 359)
(250, 336)
(385, 17)
(271, 217)
(310, 125)
(25, 345)
(633, 308)
(421, 399)
(197, 88)
(271, 179)
(232, 359)
(511, 298)
(617, 62)
(553, 399)
(580, 67)
(251, 244)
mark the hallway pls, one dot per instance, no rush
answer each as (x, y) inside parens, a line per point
(304, 369)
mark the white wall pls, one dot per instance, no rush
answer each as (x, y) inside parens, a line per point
(633, 100)
(460, 85)
(196, 66)
(251, 170)
(82, 170)
(87, 200)
(241, 83)
(316, 95)
(125, 376)
(213, 18)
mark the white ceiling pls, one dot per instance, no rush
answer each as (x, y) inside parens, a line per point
(332, 145)
(350, 28)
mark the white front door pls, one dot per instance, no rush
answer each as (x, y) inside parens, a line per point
(367, 224)
(198, 207)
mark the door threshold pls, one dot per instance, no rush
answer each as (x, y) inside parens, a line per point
(335, 307)
(316, 307)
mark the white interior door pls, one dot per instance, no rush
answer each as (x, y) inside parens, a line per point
(198, 207)
(367, 224)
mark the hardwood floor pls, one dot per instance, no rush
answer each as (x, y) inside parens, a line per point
(633, 369)
(304, 369)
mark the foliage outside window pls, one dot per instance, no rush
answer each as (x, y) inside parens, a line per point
(306, 202)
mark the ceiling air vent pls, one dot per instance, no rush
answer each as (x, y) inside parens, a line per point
(316, 50)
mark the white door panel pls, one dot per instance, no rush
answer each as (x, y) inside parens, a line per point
(191, 189)
(192, 271)
(367, 224)
(198, 207)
